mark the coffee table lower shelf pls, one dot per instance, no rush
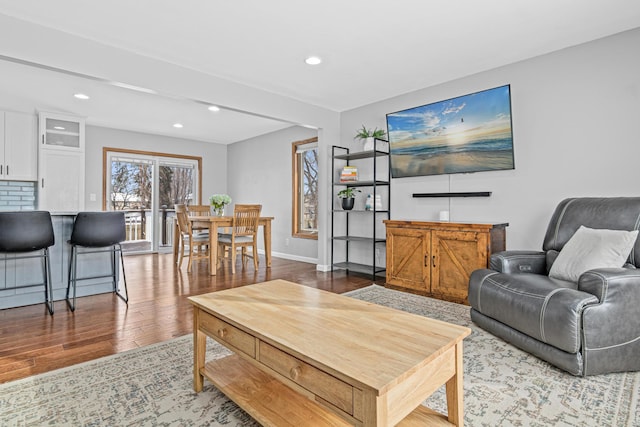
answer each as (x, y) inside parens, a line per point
(272, 403)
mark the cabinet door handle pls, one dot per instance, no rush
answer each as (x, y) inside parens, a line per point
(434, 260)
(1, 169)
(294, 373)
(426, 260)
(42, 182)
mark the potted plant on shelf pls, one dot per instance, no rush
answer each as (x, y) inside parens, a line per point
(367, 136)
(348, 196)
(218, 202)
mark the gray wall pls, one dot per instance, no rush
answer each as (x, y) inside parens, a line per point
(575, 116)
(259, 171)
(214, 157)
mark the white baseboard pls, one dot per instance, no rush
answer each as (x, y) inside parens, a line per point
(291, 257)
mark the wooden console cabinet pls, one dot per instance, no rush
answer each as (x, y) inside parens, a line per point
(436, 258)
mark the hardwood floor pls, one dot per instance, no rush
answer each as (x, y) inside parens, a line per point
(32, 342)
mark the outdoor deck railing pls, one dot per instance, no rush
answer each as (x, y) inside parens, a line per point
(138, 225)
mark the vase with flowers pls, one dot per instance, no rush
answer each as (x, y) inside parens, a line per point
(218, 202)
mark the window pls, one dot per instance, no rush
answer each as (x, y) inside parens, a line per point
(305, 188)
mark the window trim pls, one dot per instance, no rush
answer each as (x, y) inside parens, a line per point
(295, 189)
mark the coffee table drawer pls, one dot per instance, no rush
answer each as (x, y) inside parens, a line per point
(236, 338)
(318, 382)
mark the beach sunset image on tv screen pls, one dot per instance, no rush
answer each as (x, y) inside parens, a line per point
(471, 133)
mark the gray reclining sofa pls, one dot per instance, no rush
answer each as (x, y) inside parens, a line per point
(587, 327)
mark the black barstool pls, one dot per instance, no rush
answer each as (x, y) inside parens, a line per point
(101, 232)
(29, 231)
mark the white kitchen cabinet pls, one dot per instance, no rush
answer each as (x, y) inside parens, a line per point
(61, 169)
(61, 185)
(18, 142)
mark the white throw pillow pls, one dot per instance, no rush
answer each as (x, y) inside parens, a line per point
(589, 248)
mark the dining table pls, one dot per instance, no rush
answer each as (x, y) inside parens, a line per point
(213, 223)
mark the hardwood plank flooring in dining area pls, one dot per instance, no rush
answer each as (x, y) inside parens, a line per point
(33, 342)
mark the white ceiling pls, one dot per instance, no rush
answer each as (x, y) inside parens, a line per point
(372, 49)
(25, 88)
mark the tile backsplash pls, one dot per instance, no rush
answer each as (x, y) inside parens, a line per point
(17, 195)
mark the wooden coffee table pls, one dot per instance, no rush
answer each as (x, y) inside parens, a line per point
(303, 356)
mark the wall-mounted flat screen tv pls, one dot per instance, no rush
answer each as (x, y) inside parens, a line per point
(470, 133)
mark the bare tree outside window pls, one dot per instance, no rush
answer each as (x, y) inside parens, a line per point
(142, 178)
(121, 193)
(305, 188)
(176, 185)
(130, 185)
(310, 189)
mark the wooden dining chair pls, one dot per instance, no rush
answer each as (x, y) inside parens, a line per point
(199, 210)
(203, 210)
(244, 233)
(195, 246)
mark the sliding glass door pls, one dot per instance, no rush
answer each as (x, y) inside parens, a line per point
(146, 188)
(176, 185)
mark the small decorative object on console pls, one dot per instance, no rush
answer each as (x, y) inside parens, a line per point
(368, 205)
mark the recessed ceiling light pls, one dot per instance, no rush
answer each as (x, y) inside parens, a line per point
(58, 128)
(178, 125)
(214, 108)
(81, 96)
(313, 60)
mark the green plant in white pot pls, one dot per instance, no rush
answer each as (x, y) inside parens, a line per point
(348, 196)
(367, 136)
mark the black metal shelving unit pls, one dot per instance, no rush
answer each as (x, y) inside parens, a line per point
(377, 180)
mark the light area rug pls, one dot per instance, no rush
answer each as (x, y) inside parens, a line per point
(152, 386)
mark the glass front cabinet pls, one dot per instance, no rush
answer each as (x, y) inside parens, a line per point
(61, 132)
